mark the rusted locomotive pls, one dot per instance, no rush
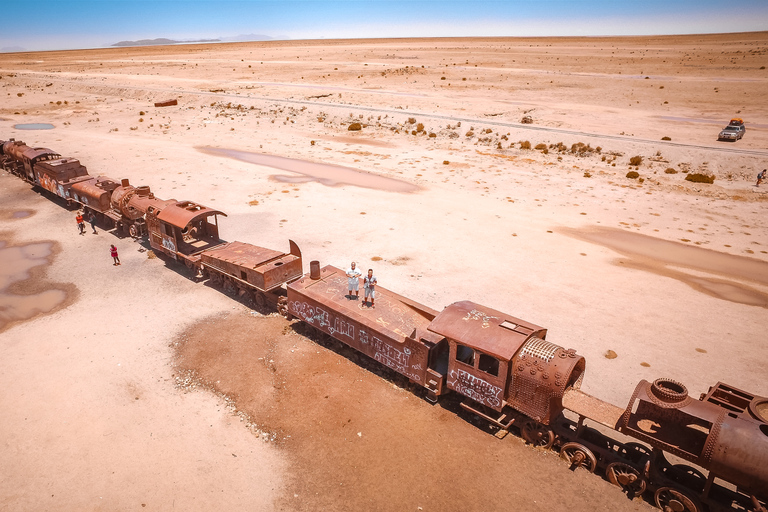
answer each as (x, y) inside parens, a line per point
(182, 230)
(684, 454)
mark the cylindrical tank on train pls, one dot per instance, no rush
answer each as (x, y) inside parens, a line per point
(741, 455)
(94, 193)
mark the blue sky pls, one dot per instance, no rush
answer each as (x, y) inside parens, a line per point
(65, 24)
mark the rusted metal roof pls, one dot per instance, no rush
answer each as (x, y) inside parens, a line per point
(35, 153)
(184, 213)
(394, 315)
(485, 329)
(244, 255)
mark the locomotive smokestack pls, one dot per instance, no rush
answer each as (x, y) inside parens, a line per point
(314, 270)
(124, 182)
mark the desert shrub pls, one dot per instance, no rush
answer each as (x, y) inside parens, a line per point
(411, 120)
(700, 178)
(442, 78)
(355, 127)
(141, 113)
(19, 94)
(446, 162)
(666, 138)
(420, 127)
(470, 133)
(559, 147)
(581, 149)
(432, 135)
(527, 120)
(670, 170)
(603, 159)
(636, 160)
(633, 175)
(524, 144)
(587, 174)
(540, 146)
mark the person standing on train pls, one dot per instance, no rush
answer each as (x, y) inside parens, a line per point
(353, 276)
(370, 287)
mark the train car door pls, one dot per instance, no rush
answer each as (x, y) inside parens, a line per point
(477, 375)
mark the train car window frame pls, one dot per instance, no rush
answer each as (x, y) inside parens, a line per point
(488, 364)
(465, 355)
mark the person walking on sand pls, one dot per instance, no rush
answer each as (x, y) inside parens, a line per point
(370, 287)
(80, 223)
(113, 252)
(92, 219)
(760, 178)
(353, 277)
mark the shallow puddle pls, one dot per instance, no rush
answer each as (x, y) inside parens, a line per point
(16, 264)
(21, 214)
(670, 259)
(34, 126)
(325, 174)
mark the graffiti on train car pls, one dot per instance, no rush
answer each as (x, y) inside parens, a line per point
(474, 387)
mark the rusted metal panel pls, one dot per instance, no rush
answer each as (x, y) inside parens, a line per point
(167, 103)
(59, 175)
(485, 329)
(593, 408)
(134, 202)
(184, 213)
(740, 455)
(393, 333)
(94, 193)
(540, 374)
(663, 415)
(259, 267)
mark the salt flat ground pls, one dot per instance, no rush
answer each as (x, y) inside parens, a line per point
(669, 274)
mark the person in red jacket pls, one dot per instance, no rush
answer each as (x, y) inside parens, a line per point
(80, 223)
(113, 252)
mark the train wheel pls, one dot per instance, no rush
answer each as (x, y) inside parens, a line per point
(689, 477)
(537, 434)
(133, 231)
(635, 452)
(229, 287)
(258, 299)
(670, 499)
(579, 456)
(625, 476)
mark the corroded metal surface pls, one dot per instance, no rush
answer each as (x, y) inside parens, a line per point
(253, 266)
(393, 333)
(488, 330)
(593, 408)
(184, 213)
(94, 193)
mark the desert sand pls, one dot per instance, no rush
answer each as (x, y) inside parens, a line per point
(136, 387)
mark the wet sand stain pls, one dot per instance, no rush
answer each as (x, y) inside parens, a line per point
(325, 174)
(669, 259)
(24, 294)
(15, 214)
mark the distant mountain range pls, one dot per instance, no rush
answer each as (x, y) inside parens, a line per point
(163, 41)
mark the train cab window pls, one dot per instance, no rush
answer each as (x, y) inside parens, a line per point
(243, 275)
(465, 354)
(488, 364)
